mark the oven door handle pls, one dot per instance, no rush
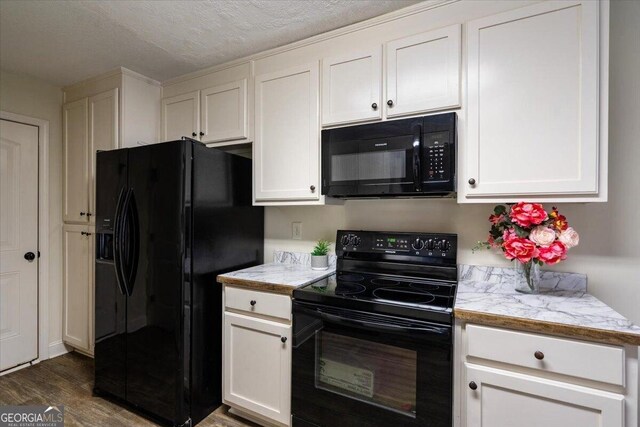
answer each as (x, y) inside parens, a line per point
(377, 326)
(417, 153)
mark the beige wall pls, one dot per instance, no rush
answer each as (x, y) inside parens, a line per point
(609, 252)
(35, 98)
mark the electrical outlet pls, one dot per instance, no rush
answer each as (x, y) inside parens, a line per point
(296, 230)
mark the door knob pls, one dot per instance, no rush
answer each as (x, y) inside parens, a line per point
(390, 103)
(30, 256)
(374, 106)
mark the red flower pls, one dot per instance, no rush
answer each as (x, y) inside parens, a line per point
(508, 234)
(520, 248)
(552, 254)
(496, 219)
(528, 214)
(492, 242)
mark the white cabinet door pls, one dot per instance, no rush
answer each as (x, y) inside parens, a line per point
(257, 366)
(506, 399)
(103, 135)
(351, 88)
(181, 116)
(423, 72)
(287, 140)
(76, 169)
(533, 106)
(78, 284)
(224, 112)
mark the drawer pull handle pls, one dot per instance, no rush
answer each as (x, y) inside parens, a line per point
(539, 355)
(252, 302)
(283, 339)
(473, 385)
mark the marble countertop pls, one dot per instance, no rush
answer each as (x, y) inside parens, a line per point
(486, 295)
(289, 271)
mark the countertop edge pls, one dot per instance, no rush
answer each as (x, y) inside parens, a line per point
(551, 328)
(276, 288)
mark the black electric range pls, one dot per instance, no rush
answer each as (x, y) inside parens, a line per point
(373, 344)
(401, 274)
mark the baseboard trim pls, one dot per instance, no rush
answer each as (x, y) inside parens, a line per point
(58, 348)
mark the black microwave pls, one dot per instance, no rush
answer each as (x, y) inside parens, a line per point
(413, 157)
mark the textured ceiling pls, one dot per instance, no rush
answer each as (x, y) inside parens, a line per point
(63, 42)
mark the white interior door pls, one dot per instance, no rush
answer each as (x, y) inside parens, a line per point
(18, 237)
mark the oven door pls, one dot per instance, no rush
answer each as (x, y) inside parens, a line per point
(385, 165)
(352, 368)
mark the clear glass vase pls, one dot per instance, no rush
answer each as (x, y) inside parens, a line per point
(527, 277)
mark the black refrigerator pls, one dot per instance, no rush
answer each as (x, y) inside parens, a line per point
(170, 217)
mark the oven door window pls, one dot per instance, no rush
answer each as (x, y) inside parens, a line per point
(371, 372)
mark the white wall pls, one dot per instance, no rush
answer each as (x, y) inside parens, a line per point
(35, 98)
(609, 252)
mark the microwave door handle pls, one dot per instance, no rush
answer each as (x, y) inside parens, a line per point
(417, 152)
(377, 326)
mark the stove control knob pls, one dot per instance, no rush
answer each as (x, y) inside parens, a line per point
(444, 245)
(355, 240)
(430, 244)
(345, 240)
(418, 244)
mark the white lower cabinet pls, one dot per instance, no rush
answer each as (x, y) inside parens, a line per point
(257, 365)
(501, 398)
(78, 287)
(510, 378)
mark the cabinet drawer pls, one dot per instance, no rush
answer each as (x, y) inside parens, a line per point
(581, 359)
(257, 302)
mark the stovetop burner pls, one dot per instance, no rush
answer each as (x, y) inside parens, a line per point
(384, 282)
(349, 288)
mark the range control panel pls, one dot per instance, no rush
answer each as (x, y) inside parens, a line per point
(410, 244)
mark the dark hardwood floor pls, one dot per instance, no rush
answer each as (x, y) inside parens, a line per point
(68, 380)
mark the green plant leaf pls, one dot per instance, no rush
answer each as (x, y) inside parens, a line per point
(321, 248)
(521, 232)
(499, 209)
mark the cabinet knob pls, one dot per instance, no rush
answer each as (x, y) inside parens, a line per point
(312, 188)
(82, 213)
(89, 214)
(194, 134)
(201, 133)
(390, 103)
(473, 385)
(283, 339)
(84, 233)
(30, 256)
(472, 181)
(539, 355)
(252, 302)
(374, 106)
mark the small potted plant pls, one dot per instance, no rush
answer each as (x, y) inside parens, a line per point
(319, 256)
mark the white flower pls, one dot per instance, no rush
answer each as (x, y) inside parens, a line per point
(569, 237)
(543, 236)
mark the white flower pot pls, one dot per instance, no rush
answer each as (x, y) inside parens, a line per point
(319, 262)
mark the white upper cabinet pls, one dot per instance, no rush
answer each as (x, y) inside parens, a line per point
(181, 116)
(287, 136)
(351, 87)
(423, 72)
(535, 77)
(76, 166)
(103, 134)
(224, 112)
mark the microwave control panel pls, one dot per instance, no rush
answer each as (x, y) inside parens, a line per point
(438, 156)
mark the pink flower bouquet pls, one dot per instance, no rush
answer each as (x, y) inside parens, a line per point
(525, 232)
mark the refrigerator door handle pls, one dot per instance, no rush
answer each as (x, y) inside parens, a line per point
(117, 243)
(133, 239)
